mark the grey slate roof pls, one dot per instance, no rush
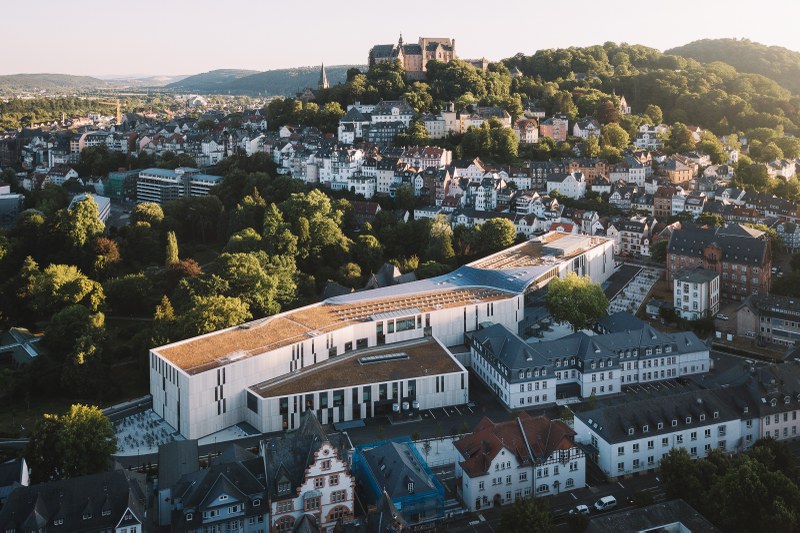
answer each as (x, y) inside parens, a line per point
(653, 518)
(288, 455)
(739, 244)
(101, 498)
(394, 466)
(613, 423)
(621, 321)
(176, 459)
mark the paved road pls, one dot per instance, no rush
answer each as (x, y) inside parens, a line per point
(560, 505)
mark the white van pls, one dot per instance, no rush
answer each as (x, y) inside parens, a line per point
(605, 503)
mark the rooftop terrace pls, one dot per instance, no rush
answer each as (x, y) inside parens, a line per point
(401, 361)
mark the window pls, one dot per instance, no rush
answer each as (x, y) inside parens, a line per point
(480, 485)
(679, 439)
(256, 502)
(636, 448)
(523, 476)
(621, 450)
(106, 512)
(508, 480)
(326, 464)
(333, 480)
(341, 495)
(312, 503)
(620, 467)
(285, 506)
(693, 451)
(319, 482)
(286, 523)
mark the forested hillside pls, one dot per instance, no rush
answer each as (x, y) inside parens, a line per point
(775, 62)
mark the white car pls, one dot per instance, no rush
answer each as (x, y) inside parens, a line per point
(720, 316)
(580, 509)
(605, 503)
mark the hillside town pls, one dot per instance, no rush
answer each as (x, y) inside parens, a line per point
(396, 316)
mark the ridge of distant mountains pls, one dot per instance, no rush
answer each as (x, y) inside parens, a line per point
(774, 62)
(279, 82)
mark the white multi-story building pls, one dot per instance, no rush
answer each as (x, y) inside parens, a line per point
(531, 374)
(572, 185)
(500, 463)
(696, 293)
(160, 185)
(204, 384)
(633, 437)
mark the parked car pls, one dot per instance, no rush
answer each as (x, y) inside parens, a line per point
(605, 503)
(580, 509)
(720, 316)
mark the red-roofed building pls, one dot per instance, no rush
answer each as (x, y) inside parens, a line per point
(504, 461)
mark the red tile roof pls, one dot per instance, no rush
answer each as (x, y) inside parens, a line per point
(544, 437)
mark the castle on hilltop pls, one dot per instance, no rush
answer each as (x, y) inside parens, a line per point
(415, 57)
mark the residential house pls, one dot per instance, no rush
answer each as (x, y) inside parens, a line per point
(771, 318)
(229, 495)
(397, 469)
(789, 234)
(740, 254)
(696, 293)
(586, 127)
(308, 474)
(527, 129)
(14, 473)
(502, 462)
(555, 127)
(109, 501)
(572, 185)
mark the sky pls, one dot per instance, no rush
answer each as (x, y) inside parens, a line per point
(171, 37)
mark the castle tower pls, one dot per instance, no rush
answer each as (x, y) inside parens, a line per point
(323, 78)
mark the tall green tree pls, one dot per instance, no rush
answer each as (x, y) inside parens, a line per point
(494, 235)
(78, 443)
(526, 515)
(211, 313)
(172, 249)
(576, 300)
(58, 286)
(79, 224)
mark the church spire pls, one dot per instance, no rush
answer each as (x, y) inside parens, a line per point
(400, 42)
(323, 78)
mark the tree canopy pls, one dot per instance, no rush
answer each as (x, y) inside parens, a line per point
(576, 300)
(78, 443)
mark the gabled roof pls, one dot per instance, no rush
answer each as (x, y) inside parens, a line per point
(394, 465)
(540, 435)
(78, 501)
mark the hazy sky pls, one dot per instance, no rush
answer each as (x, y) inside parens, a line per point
(97, 37)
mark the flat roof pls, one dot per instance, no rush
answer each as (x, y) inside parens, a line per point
(499, 276)
(424, 357)
(254, 338)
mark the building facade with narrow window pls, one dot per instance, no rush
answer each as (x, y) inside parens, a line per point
(203, 384)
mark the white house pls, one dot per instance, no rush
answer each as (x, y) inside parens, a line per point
(572, 185)
(502, 462)
(696, 293)
(634, 436)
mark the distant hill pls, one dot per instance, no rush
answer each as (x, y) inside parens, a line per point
(213, 81)
(48, 82)
(280, 82)
(775, 62)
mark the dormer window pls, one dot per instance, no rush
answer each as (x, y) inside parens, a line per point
(716, 413)
(674, 423)
(58, 522)
(702, 418)
(688, 419)
(746, 409)
(645, 428)
(630, 431)
(106, 512)
(223, 497)
(660, 425)
(773, 402)
(189, 517)
(786, 400)
(411, 488)
(256, 502)
(87, 516)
